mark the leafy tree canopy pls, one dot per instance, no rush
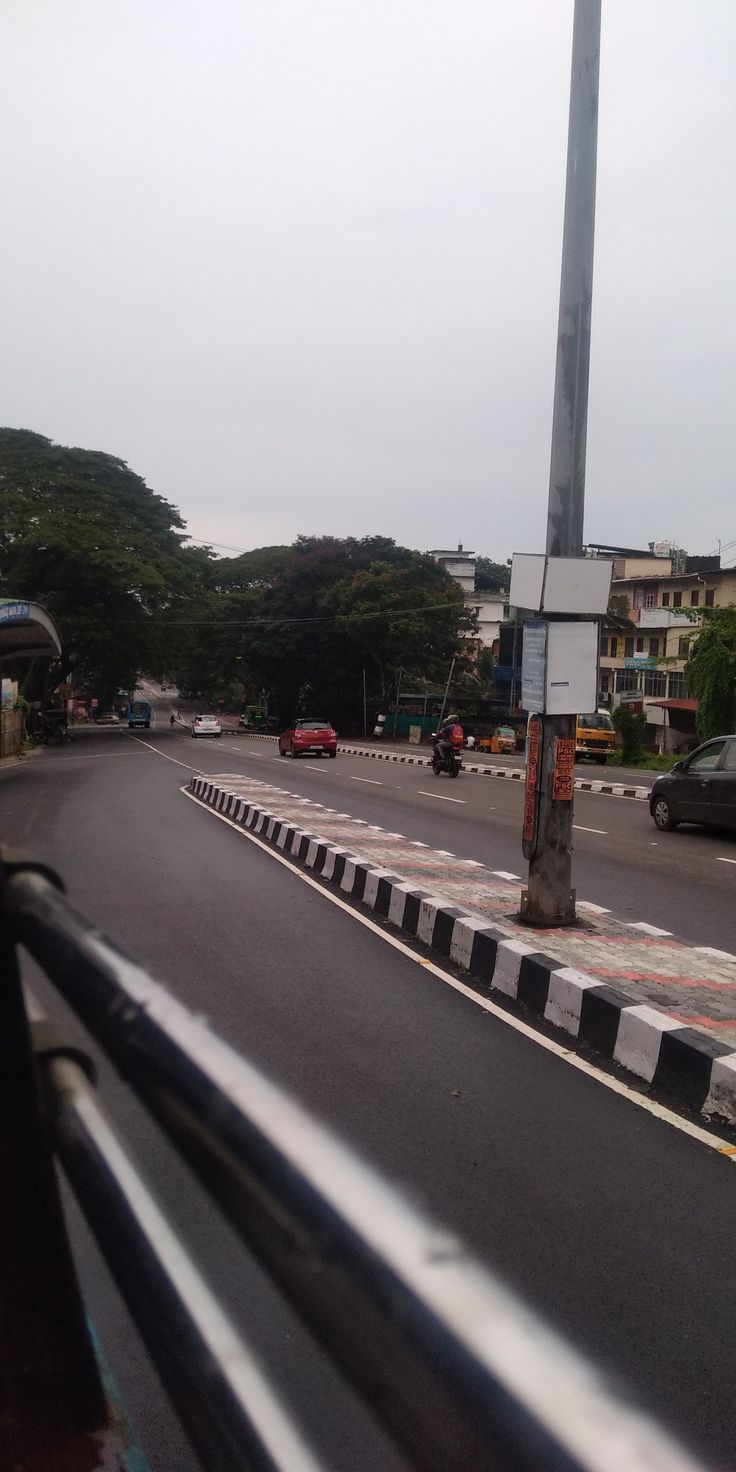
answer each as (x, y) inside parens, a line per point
(85, 536)
(710, 672)
(492, 577)
(336, 608)
(256, 569)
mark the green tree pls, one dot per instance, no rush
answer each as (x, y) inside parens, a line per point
(84, 535)
(492, 577)
(252, 570)
(336, 607)
(631, 726)
(710, 672)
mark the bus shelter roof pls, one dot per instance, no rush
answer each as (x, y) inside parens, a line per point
(27, 631)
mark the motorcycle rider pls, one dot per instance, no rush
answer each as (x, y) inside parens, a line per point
(450, 736)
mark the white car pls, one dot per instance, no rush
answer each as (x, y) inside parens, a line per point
(206, 726)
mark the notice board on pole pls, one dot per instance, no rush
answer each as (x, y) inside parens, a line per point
(559, 667)
(534, 665)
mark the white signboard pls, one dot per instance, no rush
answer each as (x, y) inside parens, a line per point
(572, 668)
(534, 665)
(559, 667)
(560, 584)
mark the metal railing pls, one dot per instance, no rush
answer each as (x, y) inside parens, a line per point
(449, 1361)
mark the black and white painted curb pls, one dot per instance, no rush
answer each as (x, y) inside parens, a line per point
(516, 774)
(697, 1073)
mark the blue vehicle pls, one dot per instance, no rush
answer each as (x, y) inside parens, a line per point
(139, 713)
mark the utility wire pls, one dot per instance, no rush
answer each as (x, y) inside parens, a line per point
(236, 623)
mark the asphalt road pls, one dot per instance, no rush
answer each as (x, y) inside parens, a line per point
(684, 882)
(615, 1225)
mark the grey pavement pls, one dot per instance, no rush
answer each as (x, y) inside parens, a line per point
(614, 1224)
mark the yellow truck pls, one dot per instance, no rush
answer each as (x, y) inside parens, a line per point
(595, 736)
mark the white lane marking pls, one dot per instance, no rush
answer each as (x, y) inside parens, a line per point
(648, 929)
(186, 765)
(725, 861)
(616, 1085)
(602, 831)
(95, 756)
(262, 757)
(370, 780)
(440, 796)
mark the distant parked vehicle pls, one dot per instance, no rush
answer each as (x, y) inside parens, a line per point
(305, 737)
(139, 713)
(503, 741)
(699, 789)
(595, 736)
(206, 726)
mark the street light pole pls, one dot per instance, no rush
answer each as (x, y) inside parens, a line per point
(549, 898)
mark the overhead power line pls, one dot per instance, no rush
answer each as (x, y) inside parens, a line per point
(237, 623)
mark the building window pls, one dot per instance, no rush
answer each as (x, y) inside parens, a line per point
(605, 682)
(654, 646)
(628, 648)
(695, 598)
(639, 598)
(614, 648)
(626, 681)
(640, 646)
(654, 683)
(710, 597)
(683, 648)
(604, 645)
(650, 600)
(677, 685)
(665, 600)
(677, 599)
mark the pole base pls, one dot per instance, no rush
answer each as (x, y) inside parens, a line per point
(547, 916)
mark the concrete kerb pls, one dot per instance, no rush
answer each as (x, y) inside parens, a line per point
(514, 774)
(692, 1070)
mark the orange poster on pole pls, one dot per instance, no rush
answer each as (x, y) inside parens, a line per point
(532, 780)
(563, 782)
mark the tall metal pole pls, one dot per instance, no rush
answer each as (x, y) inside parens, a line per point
(365, 710)
(550, 899)
(447, 691)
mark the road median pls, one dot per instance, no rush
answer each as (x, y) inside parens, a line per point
(642, 999)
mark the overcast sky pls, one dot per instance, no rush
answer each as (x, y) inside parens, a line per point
(297, 261)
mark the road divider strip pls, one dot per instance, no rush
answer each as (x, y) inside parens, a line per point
(476, 769)
(686, 1065)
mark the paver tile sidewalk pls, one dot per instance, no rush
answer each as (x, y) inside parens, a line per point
(696, 985)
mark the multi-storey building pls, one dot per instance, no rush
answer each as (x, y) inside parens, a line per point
(489, 608)
(645, 664)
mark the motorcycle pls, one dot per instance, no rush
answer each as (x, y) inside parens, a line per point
(53, 728)
(444, 759)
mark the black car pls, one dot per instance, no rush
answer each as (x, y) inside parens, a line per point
(699, 789)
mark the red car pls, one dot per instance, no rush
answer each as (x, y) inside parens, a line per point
(305, 736)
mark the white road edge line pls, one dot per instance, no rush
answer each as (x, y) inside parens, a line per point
(370, 780)
(660, 1111)
(725, 861)
(186, 765)
(603, 832)
(440, 796)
